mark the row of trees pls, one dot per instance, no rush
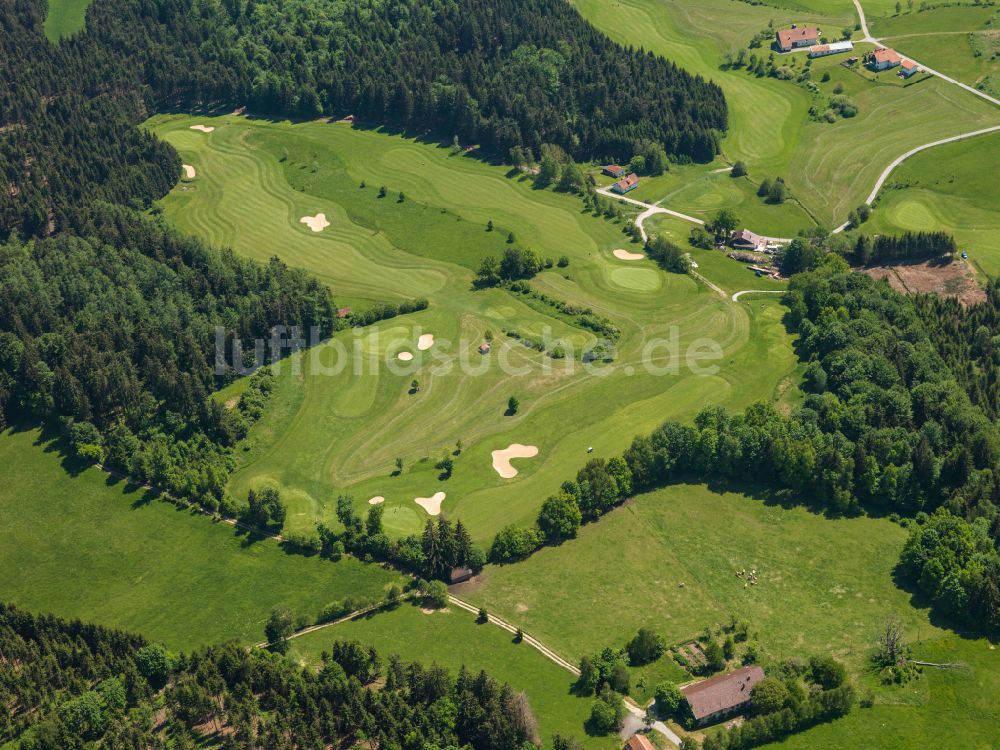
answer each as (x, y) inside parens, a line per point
(515, 264)
(781, 711)
(889, 248)
(669, 255)
(68, 685)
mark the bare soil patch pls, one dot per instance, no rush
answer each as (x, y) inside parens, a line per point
(946, 277)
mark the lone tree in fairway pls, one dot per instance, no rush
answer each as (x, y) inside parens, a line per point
(512, 405)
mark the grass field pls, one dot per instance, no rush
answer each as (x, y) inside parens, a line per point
(829, 167)
(323, 435)
(451, 638)
(946, 708)
(960, 41)
(64, 18)
(84, 545)
(949, 188)
(825, 584)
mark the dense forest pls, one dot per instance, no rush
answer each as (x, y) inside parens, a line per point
(68, 685)
(501, 74)
(112, 334)
(969, 340)
(885, 428)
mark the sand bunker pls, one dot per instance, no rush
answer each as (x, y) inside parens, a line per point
(188, 171)
(501, 458)
(425, 342)
(431, 504)
(203, 128)
(626, 255)
(377, 500)
(316, 223)
(405, 356)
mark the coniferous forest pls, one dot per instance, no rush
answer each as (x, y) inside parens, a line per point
(67, 685)
(494, 73)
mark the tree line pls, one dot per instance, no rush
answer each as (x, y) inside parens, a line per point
(891, 248)
(884, 427)
(497, 73)
(111, 336)
(68, 685)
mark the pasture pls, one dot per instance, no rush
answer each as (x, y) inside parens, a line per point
(328, 432)
(78, 543)
(64, 18)
(667, 560)
(949, 188)
(955, 708)
(829, 168)
(452, 638)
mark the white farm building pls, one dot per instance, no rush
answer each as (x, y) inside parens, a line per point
(822, 50)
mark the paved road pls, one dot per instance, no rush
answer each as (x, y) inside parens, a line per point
(875, 40)
(903, 157)
(888, 170)
(737, 295)
(651, 210)
(633, 708)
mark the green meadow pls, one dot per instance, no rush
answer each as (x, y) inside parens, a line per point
(953, 708)
(829, 168)
(452, 638)
(668, 560)
(328, 432)
(959, 40)
(64, 18)
(950, 188)
(78, 543)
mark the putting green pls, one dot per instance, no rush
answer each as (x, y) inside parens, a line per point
(915, 214)
(637, 279)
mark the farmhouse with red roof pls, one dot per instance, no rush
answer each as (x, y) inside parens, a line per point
(625, 184)
(795, 37)
(884, 58)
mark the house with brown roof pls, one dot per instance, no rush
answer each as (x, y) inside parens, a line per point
(639, 742)
(747, 240)
(884, 58)
(908, 68)
(613, 170)
(797, 36)
(722, 696)
(625, 184)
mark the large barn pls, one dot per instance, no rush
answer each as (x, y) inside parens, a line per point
(722, 696)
